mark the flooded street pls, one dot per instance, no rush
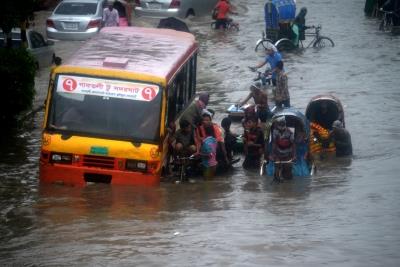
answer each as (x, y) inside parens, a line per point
(346, 215)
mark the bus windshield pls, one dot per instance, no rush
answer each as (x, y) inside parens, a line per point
(106, 108)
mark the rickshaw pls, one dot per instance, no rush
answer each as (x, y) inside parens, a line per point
(281, 31)
(322, 111)
(298, 123)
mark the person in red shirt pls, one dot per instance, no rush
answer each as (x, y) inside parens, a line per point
(223, 8)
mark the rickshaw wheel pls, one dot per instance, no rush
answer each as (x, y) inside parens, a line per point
(324, 42)
(261, 46)
(285, 45)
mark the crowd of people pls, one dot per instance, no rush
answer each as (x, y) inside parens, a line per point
(214, 144)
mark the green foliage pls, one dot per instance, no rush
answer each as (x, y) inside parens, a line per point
(17, 67)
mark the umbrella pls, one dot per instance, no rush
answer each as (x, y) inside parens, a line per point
(173, 23)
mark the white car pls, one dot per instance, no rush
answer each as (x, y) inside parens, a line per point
(75, 19)
(173, 8)
(41, 49)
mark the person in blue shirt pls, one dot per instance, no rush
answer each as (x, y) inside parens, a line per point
(272, 58)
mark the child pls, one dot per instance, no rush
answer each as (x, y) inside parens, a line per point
(208, 153)
(253, 144)
(229, 137)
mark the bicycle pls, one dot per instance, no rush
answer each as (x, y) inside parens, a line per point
(286, 44)
(230, 25)
(278, 170)
(386, 23)
(183, 163)
(264, 77)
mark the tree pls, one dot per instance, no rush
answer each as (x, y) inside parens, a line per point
(15, 13)
(17, 67)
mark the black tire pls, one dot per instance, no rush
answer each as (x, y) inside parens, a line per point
(324, 42)
(262, 45)
(285, 45)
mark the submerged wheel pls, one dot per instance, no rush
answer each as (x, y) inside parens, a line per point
(262, 44)
(324, 42)
(285, 45)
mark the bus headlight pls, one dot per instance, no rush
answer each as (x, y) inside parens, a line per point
(62, 158)
(135, 165)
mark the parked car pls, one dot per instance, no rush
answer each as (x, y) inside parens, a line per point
(75, 19)
(173, 8)
(41, 49)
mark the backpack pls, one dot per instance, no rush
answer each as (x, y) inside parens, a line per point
(214, 14)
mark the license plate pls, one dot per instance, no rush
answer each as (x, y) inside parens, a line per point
(70, 25)
(154, 6)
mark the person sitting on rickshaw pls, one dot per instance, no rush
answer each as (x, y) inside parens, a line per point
(220, 14)
(299, 27)
(283, 146)
(342, 139)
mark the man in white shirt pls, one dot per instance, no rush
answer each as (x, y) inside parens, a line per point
(110, 16)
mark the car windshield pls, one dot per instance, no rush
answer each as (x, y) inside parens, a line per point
(76, 9)
(106, 108)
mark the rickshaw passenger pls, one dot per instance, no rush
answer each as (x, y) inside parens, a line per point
(273, 57)
(283, 146)
(342, 139)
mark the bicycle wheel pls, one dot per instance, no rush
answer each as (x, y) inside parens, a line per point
(285, 45)
(323, 41)
(262, 45)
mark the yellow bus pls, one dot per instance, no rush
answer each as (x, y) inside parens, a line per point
(108, 107)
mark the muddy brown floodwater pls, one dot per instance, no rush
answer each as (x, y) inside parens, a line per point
(346, 215)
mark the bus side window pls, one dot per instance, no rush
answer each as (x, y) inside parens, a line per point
(192, 76)
(180, 90)
(171, 105)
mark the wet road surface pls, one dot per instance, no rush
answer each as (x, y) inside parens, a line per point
(346, 215)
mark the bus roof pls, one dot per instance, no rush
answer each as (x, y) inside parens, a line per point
(156, 52)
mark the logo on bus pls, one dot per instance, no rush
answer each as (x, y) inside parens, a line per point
(148, 93)
(69, 85)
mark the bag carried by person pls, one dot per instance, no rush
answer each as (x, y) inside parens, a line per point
(214, 14)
